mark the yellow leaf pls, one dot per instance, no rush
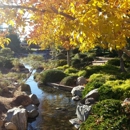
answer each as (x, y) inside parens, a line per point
(11, 22)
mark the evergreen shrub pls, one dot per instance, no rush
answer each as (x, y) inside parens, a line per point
(70, 70)
(76, 63)
(69, 80)
(61, 62)
(52, 75)
(107, 115)
(115, 61)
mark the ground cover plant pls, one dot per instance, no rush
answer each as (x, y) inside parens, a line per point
(114, 87)
(107, 115)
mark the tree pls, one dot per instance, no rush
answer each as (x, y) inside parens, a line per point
(14, 43)
(87, 23)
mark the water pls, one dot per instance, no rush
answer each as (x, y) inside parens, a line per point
(55, 110)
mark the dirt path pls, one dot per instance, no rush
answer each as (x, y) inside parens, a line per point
(100, 60)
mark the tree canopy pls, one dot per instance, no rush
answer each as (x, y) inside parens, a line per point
(70, 23)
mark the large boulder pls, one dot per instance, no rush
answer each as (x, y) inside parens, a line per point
(10, 126)
(18, 116)
(77, 91)
(34, 99)
(32, 111)
(92, 94)
(23, 100)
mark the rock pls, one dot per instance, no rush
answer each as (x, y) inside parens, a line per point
(81, 81)
(21, 100)
(92, 94)
(89, 101)
(39, 69)
(34, 99)
(76, 122)
(77, 91)
(76, 98)
(10, 126)
(126, 102)
(32, 111)
(26, 88)
(83, 111)
(18, 116)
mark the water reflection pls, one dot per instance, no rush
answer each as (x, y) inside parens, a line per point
(55, 110)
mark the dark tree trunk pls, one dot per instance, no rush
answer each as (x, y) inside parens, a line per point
(122, 66)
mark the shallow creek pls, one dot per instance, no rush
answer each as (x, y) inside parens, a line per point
(55, 110)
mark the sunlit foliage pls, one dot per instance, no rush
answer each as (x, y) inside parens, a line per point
(70, 23)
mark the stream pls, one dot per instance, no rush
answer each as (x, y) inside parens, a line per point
(55, 110)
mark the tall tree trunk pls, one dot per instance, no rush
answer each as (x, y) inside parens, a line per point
(122, 66)
(68, 57)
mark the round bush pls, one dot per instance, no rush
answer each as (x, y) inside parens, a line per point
(69, 80)
(52, 76)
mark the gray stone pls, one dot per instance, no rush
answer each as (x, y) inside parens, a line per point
(93, 94)
(34, 99)
(76, 98)
(32, 111)
(89, 101)
(18, 116)
(10, 126)
(76, 122)
(83, 111)
(81, 81)
(77, 91)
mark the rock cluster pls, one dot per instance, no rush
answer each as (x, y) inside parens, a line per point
(24, 107)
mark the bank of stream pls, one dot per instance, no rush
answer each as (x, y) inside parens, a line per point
(55, 110)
